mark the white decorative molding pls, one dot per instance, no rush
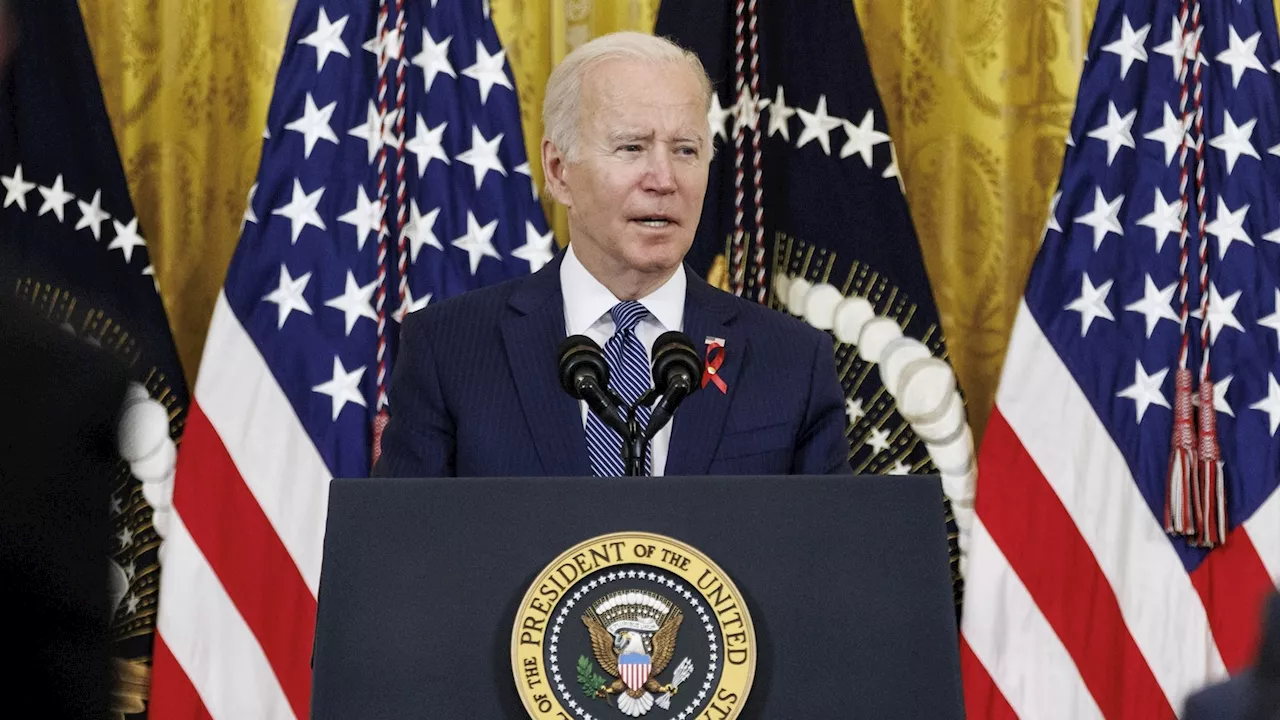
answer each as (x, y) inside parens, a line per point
(144, 442)
(923, 387)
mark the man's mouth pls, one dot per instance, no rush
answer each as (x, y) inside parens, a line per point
(654, 221)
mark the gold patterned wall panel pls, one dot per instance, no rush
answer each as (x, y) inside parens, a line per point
(979, 96)
(187, 85)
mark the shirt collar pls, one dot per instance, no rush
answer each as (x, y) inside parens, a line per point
(586, 299)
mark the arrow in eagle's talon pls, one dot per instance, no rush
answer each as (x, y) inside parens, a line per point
(683, 671)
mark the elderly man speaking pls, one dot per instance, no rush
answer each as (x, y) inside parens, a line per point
(476, 390)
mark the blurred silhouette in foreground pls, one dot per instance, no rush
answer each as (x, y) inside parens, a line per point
(60, 406)
(1253, 694)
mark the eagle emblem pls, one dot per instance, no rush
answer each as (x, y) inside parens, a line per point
(632, 592)
(633, 638)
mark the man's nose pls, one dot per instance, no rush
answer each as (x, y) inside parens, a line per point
(661, 176)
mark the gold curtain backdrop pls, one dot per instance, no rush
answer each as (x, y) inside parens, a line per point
(187, 86)
(978, 94)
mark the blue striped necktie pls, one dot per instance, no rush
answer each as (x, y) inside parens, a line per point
(628, 377)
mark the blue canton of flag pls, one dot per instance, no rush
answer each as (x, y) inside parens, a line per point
(1107, 285)
(358, 180)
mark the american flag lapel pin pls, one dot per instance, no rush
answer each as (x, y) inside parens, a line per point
(711, 364)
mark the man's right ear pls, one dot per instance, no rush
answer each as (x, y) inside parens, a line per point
(555, 166)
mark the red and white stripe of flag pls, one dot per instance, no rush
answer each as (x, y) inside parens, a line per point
(242, 562)
(1076, 604)
(635, 674)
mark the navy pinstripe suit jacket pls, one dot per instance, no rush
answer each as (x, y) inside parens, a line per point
(475, 391)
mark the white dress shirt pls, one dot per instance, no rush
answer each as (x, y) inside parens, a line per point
(586, 312)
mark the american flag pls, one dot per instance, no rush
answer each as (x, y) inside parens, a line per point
(1085, 597)
(393, 174)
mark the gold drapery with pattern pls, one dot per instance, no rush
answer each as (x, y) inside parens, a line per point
(187, 85)
(979, 95)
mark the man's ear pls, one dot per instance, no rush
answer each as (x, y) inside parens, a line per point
(555, 168)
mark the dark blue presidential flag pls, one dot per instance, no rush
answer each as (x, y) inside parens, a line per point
(806, 208)
(72, 250)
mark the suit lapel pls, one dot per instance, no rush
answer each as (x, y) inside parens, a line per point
(532, 333)
(698, 422)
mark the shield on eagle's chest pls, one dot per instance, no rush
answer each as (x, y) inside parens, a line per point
(634, 670)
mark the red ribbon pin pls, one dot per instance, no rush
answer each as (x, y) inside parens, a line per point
(712, 363)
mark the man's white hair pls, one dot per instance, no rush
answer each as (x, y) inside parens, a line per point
(562, 107)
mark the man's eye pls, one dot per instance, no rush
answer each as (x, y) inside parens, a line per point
(629, 148)
(688, 151)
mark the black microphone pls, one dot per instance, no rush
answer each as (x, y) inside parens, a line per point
(584, 374)
(676, 369)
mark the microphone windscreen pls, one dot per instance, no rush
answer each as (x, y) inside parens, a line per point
(673, 352)
(578, 355)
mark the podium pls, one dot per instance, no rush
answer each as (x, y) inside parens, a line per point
(845, 580)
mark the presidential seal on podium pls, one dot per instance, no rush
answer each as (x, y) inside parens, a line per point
(633, 624)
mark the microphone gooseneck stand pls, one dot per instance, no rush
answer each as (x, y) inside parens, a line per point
(634, 442)
(675, 369)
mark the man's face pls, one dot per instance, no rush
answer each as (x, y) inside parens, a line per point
(634, 192)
